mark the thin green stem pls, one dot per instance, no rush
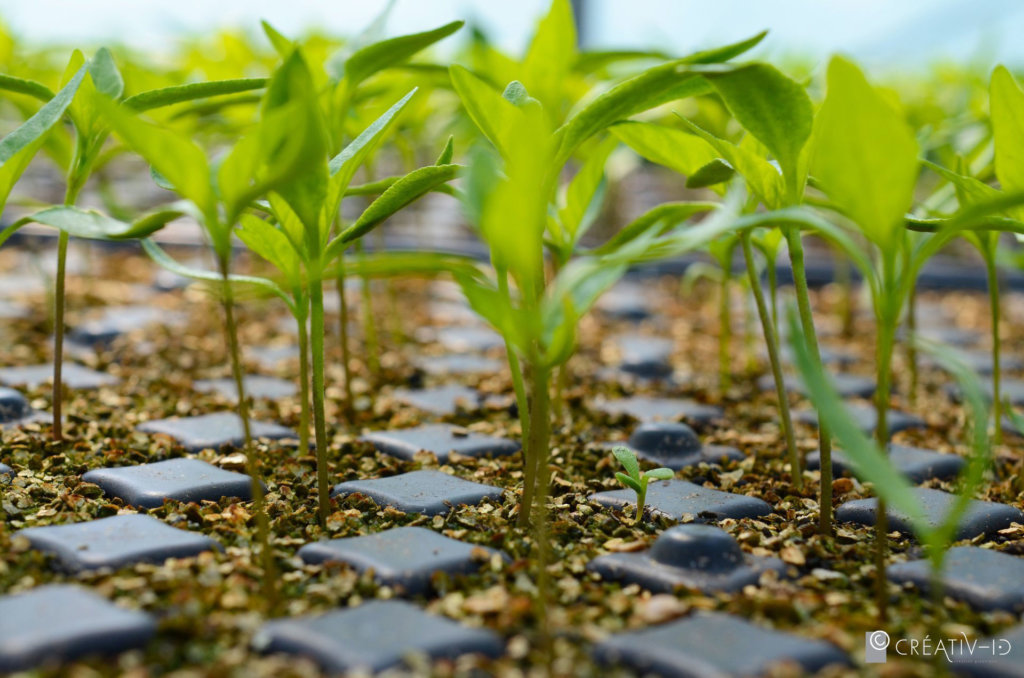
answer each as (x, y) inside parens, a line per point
(641, 500)
(540, 432)
(772, 339)
(58, 337)
(369, 322)
(343, 339)
(316, 295)
(993, 296)
(304, 414)
(725, 331)
(887, 314)
(522, 406)
(912, 358)
(803, 300)
(269, 580)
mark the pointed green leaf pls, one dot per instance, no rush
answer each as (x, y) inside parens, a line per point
(387, 53)
(580, 194)
(282, 45)
(176, 157)
(629, 482)
(680, 151)
(31, 88)
(43, 120)
(660, 474)
(485, 105)
(168, 96)
(406, 190)
(715, 172)
(665, 216)
(93, 225)
(551, 55)
(864, 155)
(761, 176)
(271, 244)
(447, 152)
(628, 460)
(772, 107)
(164, 260)
(343, 166)
(105, 76)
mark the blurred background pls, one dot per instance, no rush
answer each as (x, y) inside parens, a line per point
(914, 33)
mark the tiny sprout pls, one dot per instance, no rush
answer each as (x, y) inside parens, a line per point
(634, 479)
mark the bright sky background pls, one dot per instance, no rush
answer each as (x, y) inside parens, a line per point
(880, 33)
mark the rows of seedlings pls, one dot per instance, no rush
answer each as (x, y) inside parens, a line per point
(363, 362)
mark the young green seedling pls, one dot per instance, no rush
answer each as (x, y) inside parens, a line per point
(281, 147)
(777, 113)
(87, 85)
(637, 480)
(342, 82)
(872, 464)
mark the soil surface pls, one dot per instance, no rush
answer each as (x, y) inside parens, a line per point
(209, 607)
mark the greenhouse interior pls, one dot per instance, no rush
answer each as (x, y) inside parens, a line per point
(554, 338)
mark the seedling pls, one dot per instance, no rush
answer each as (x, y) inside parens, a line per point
(872, 464)
(280, 148)
(637, 480)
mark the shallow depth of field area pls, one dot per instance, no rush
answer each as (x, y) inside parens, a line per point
(409, 354)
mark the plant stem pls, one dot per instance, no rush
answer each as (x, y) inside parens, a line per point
(911, 345)
(993, 296)
(369, 323)
(316, 296)
(304, 415)
(540, 432)
(252, 467)
(641, 500)
(522, 406)
(725, 330)
(346, 370)
(58, 337)
(844, 276)
(771, 338)
(773, 293)
(887, 314)
(803, 300)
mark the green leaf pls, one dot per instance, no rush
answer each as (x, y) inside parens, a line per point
(386, 53)
(176, 157)
(485, 105)
(164, 260)
(1007, 113)
(31, 88)
(665, 215)
(762, 177)
(105, 76)
(653, 87)
(447, 152)
(168, 96)
(772, 107)
(393, 263)
(726, 52)
(90, 224)
(343, 166)
(673, 148)
(282, 45)
(580, 194)
(551, 55)
(42, 121)
(660, 474)
(406, 190)
(628, 460)
(271, 244)
(629, 482)
(868, 461)
(515, 325)
(864, 155)
(715, 172)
